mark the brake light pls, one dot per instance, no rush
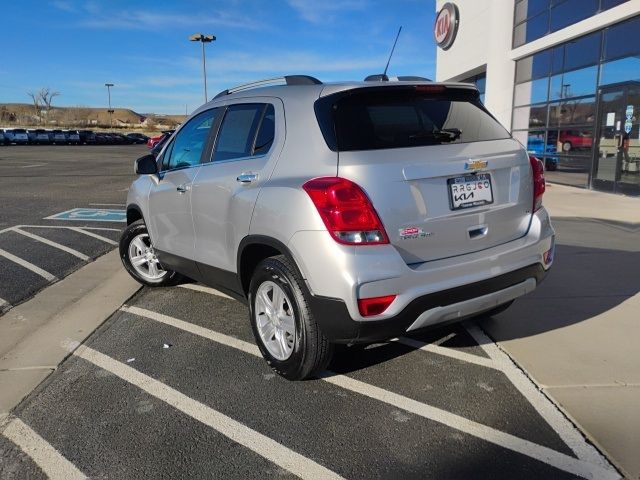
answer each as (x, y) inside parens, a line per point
(346, 211)
(430, 88)
(374, 306)
(537, 168)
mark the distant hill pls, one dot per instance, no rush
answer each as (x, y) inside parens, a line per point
(25, 114)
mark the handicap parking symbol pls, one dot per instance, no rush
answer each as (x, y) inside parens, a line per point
(91, 215)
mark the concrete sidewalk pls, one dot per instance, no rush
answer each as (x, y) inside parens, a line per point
(577, 335)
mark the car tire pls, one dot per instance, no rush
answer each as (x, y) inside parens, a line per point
(551, 166)
(290, 339)
(567, 146)
(135, 245)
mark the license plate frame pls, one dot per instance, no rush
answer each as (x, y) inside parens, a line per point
(480, 181)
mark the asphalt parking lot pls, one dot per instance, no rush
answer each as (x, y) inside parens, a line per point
(37, 182)
(172, 386)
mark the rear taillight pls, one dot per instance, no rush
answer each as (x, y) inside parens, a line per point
(374, 306)
(537, 169)
(346, 211)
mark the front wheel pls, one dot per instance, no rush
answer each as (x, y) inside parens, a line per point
(285, 330)
(139, 258)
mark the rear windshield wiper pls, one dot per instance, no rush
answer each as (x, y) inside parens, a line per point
(443, 135)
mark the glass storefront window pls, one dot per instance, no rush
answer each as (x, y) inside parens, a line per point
(570, 12)
(535, 66)
(582, 52)
(574, 84)
(532, 29)
(528, 117)
(531, 92)
(572, 112)
(622, 40)
(620, 70)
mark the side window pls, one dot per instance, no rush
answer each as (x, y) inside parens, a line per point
(265, 136)
(187, 146)
(238, 131)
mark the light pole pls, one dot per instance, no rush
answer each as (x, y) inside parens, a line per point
(199, 37)
(109, 85)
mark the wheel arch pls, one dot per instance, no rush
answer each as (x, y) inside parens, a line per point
(252, 250)
(134, 213)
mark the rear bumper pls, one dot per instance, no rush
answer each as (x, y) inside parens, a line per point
(433, 309)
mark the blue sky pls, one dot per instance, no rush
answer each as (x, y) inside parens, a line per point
(142, 46)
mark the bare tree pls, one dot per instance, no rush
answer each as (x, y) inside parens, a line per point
(46, 97)
(35, 98)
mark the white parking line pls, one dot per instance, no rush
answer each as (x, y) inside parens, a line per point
(34, 165)
(262, 445)
(52, 463)
(94, 235)
(27, 265)
(544, 454)
(8, 229)
(543, 405)
(447, 352)
(52, 244)
(202, 288)
(107, 204)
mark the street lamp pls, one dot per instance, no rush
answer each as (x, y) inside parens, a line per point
(199, 37)
(109, 85)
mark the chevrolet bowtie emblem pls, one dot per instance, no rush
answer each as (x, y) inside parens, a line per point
(475, 164)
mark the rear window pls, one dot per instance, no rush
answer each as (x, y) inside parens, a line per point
(382, 118)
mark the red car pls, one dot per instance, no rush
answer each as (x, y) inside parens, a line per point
(575, 140)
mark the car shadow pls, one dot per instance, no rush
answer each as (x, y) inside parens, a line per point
(597, 267)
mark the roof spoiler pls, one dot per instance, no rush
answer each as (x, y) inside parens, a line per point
(287, 80)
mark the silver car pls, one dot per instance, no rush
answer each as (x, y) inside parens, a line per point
(342, 213)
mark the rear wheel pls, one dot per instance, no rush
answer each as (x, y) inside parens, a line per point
(285, 330)
(139, 258)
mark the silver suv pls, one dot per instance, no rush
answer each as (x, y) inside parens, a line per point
(342, 213)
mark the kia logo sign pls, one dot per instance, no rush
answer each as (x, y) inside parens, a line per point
(446, 26)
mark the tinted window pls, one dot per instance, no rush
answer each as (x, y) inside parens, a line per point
(574, 84)
(606, 4)
(571, 11)
(572, 112)
(266, 133)
(531, 92)
(535, 66)
(186, 148)
(406, 118)
(238, 131)
(620, 70)
(622, 40)
(529, 117)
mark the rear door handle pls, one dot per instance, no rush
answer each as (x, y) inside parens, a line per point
(184, 188)
(247, 177)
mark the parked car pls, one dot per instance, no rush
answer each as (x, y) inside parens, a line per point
(73, 137)
(39, 136)
(575, 140)
(536, 146)
(154, 140)
(376, 209)
(59, 137)
(87, 137)
(3, 139)
(138, 138)
(157, 148)
(16, 135)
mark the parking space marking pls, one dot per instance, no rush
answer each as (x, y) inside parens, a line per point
(52, 463)
(28, 265)
(264, 446)
(544, 454)
(447, 352)
(569, 434)
(94, 235)
(34, 165)
(51, 243)
(107, 204)
(202, 288)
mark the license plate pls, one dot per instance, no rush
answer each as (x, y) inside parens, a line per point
(470, 191)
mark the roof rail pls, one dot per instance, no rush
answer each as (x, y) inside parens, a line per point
(287, 79)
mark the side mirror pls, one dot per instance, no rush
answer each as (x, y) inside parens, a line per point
(146, 165)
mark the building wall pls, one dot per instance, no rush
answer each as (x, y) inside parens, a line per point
(483, 43)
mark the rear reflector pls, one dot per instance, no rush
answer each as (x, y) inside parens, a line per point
(375, 305)
(537, 169)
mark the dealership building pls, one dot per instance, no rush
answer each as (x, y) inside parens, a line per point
(562, 75)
